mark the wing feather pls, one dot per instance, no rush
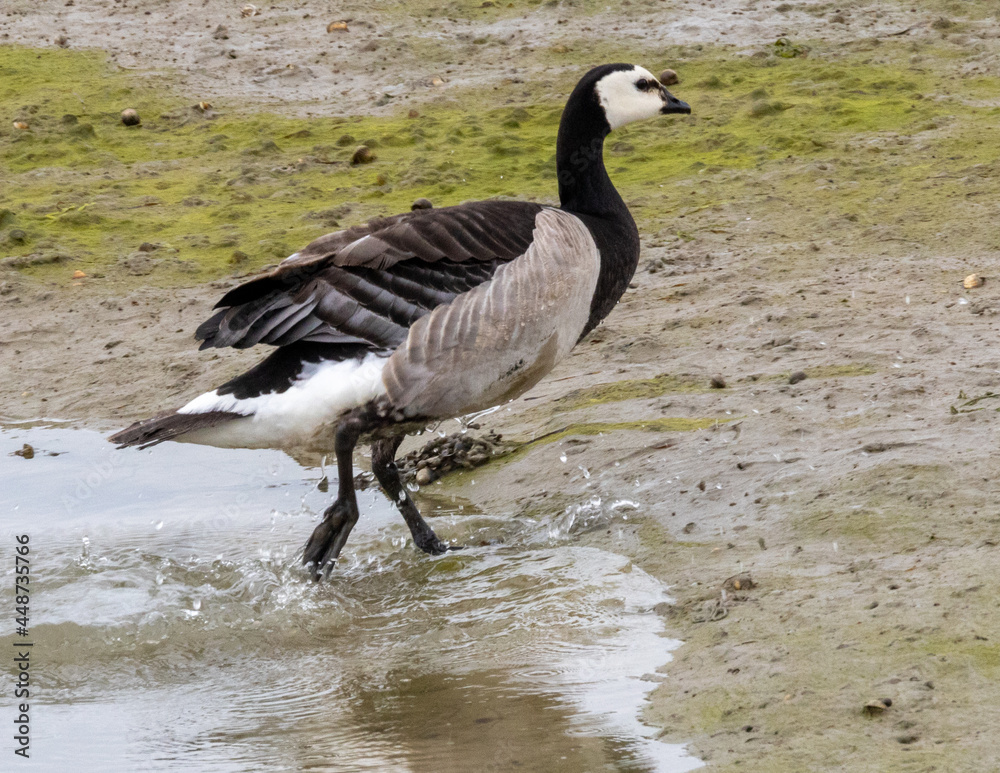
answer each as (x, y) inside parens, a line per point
(369, 284)
(496, 341)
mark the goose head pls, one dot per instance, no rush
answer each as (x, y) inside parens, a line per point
(606, 98)
(627, 93)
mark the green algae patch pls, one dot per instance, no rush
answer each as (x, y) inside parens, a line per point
(965, 653)
(666, 424)
(207, 189)
(633, 389)
(841, 371)
(210, 191)
(848, 370)
(487, 10)
(746, 113)
(952, 11)
(482, 11)
(891, 503)
(978, 403)
(518, 451)
(651, 425)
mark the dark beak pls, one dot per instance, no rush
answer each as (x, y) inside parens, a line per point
(672, 104)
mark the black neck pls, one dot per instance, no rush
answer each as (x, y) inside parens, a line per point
(584, 185)
(586, 190)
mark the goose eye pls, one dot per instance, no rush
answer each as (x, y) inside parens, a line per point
(642, 84)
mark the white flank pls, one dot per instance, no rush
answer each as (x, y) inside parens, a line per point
(323, 392)
(623, 102)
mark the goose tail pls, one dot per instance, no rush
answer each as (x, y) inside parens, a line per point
(168, 425)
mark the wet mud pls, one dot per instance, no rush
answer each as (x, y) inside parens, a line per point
(797, 389)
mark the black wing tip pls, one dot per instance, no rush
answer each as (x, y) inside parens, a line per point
(168, 426)
(209, 329)
(138, 434)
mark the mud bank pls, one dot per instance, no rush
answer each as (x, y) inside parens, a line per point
(806, 233)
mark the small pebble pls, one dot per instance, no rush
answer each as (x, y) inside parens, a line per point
(876, 707)
(249, 10)
(669, 78)
(742, 581)
(22, 125)
(873, 708)
(422, 204)
(17, 235)
(436, 81)
(26, 452)
(718, 382)
(796, 377)
(62, 41)
(413, 113)
(424, 476)
(972, 281)
(337, 26)
(221, 33)
(445, 454)
(130, 117)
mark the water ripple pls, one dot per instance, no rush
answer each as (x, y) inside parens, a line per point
(202, 642)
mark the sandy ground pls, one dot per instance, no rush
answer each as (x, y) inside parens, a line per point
(856, 507)
(284, 54)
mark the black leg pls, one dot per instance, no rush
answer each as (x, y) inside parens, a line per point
(329, 537)
(384, 467)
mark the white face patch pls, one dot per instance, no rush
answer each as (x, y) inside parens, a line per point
(623, 101)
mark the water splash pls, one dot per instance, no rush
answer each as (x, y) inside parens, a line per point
(204, 643)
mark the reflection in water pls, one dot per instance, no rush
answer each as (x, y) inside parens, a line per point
(174, 628)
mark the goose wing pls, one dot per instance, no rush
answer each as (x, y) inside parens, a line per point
(368, 284)
(501, 338)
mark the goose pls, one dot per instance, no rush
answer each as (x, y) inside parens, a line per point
(437, 313)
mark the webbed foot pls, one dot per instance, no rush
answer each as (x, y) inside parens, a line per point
(329, 538)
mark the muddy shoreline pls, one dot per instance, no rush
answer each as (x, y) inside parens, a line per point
(861, 500)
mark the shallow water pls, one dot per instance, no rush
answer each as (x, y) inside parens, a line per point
(173, 627)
